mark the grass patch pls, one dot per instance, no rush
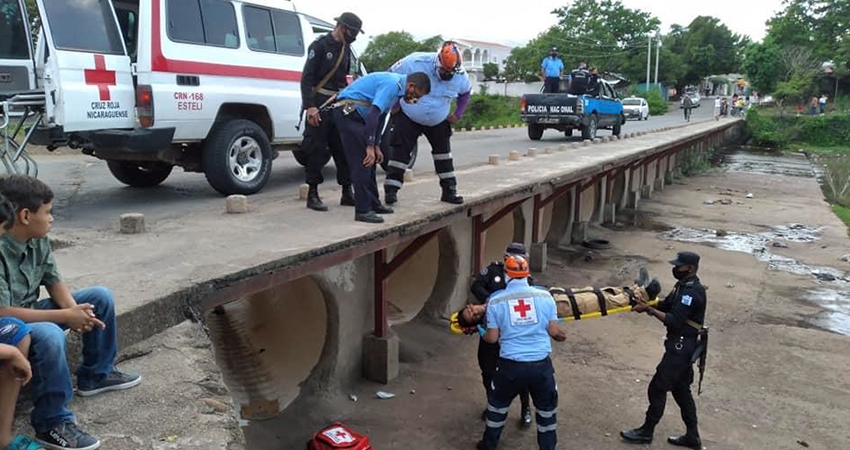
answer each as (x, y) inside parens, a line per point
(490, 110)
(843, 214)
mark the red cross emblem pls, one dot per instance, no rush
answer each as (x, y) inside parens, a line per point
(522, 308)
(100, 77)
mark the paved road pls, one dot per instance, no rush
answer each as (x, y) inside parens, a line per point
(87, 196)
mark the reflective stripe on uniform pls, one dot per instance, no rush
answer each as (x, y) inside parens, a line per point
(546, 429)
(391, 182)
(491, 424)
(397, 165)
(443, 176)
(492, 408)
(546, 414)
(442, 157)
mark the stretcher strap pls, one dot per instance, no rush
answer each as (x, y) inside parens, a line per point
(603, 305)
(631, 294)
(573, 303)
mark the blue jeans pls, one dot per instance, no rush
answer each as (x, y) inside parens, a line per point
(51, 387)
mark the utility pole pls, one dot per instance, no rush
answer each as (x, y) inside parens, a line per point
(657, 57)
(648, 61)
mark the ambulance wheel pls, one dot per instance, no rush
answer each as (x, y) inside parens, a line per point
(237, 158)
(139, 174)
(535, 132)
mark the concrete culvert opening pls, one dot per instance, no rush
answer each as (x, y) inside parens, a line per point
(411, 285)
(268, 343)
(498, 236)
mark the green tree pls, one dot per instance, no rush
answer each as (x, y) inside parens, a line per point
(707, 47)
(385, 49)
(762, 65)
(491, 71)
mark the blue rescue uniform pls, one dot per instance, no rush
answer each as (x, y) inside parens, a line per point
(427, 117)
(522, 314)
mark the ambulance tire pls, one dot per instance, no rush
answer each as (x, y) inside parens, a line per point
(217, 163)
(139, 174)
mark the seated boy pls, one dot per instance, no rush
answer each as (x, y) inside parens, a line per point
(26, 264)
(15, 371)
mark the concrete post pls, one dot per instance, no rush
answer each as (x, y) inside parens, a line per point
(538, 256)
(578, 233)
(380, 358)
(602, 195)
(610, 213)
(627, 182)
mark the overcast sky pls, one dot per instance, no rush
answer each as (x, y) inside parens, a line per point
(517, 22)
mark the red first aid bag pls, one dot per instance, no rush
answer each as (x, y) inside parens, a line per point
(337, 436)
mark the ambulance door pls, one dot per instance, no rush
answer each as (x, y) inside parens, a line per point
(17, 72)
(87, 73)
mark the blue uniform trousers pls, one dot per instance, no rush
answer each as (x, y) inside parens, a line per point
(352, 133)
(511, 378)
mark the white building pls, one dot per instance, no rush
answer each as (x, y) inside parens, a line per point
(477, 53)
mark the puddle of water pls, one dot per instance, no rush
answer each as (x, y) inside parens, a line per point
(765, 161)
(836, 305)
(759, 245)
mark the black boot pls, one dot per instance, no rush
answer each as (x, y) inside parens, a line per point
(653, 288)
(450, 195)
(347, 198)
(525, 418)
(689, 440)
(390, 195)
(369, 217)
(313, 200)
(642, 435)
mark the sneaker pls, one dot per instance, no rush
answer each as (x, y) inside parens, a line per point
(115, 381)
(67, 436)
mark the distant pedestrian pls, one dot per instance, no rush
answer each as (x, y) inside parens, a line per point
(822, 102)
(814, 103)
(734, 105)
(718, 105)
(551, 70)
(799, 108)
(687, 104)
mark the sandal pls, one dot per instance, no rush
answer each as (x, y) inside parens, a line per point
(21, 442)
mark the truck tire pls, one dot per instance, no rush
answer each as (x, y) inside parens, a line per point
(139, 174)
(568, 132)
(237, 157)
(589, 132)
(618, 127)
(535, 132)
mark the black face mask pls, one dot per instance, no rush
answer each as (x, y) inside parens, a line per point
(350, 36)
(445, 76)
(680, 274)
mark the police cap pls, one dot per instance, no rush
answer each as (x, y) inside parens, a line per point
(351, 21)
(516, 248)
(686, 259)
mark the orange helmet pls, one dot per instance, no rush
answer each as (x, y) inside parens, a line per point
(516, 266)
(449, 57)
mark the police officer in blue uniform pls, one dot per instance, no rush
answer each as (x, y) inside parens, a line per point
(551, 70)
(523, 320)
(683, 313)
(431, 117)
(493, 279)
(358, 114)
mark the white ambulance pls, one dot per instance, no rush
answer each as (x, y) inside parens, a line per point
(211, 86)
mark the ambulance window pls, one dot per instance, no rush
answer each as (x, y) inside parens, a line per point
(129, 29)
(258, 27)
(287, 28)
(184, 21)
(13, 32)
(67, 18)
(220, 23)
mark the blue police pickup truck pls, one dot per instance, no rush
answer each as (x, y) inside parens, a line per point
(568, 112)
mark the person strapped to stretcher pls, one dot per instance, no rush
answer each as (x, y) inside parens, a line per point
(572, 303)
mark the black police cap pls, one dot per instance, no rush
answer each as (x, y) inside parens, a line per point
(351, 21)
(686, 259)
(516, 248)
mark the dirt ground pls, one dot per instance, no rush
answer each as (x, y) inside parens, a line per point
(774, 379)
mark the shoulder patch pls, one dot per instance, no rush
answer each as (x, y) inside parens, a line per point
(687, 300)
(329, 55)
(484, 271)
(312, 54)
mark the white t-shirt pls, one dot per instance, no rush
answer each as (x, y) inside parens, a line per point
(822, 100)
(717, 103)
